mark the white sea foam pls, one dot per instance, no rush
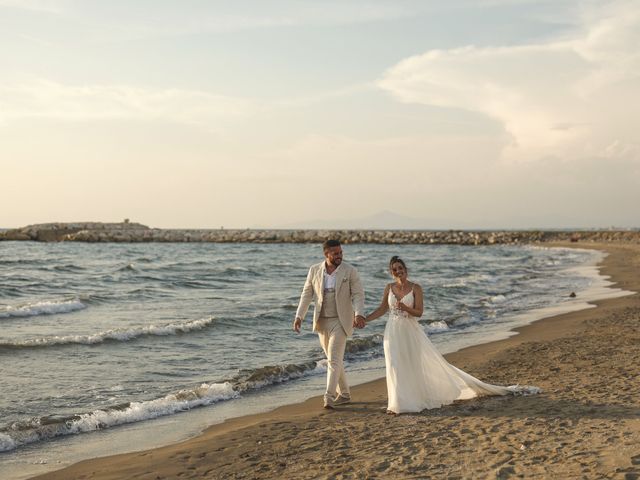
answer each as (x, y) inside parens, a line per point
(120, 334)
(437, 327)
(321, 366)
(205, 394)
(6, 443)
(42, 308)
(274, 374)
(498, 299)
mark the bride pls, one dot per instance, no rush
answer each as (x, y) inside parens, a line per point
(418, 377)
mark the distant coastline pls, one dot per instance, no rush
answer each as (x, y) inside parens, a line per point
(127, 232)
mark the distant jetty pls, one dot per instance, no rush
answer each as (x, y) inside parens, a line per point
(126, 231)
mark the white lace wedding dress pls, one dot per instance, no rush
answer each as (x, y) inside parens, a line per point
(418, 376)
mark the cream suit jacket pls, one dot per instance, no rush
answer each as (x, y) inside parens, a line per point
(349, 295)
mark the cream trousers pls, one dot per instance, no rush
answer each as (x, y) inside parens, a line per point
(333, 340)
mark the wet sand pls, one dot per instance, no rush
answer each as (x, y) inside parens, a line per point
(586, 423)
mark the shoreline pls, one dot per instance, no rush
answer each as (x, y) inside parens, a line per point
(229, 450)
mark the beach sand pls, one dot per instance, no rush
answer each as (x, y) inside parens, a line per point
(586, 423)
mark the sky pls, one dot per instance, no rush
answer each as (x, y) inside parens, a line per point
(333, 113)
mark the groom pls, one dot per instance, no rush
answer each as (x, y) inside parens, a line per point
(335, 289)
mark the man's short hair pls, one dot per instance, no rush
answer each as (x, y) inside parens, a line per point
(330, 244)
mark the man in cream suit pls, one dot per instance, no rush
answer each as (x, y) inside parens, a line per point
(336, 291)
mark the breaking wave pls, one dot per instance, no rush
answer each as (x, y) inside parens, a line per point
(118, 335)
(44, 428)
(438, 326)
(42, 308)
(18, 434)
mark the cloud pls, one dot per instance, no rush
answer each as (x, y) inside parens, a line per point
(47, 99)
(568, 98)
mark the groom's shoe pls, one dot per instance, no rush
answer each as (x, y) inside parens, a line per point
(342, 400)
(328, 403)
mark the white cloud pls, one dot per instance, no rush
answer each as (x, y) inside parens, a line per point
(565, 99)
(47, 99)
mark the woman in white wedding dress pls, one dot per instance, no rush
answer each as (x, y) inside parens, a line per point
(418, 377)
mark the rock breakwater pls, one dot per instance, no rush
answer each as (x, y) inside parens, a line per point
(135, 232)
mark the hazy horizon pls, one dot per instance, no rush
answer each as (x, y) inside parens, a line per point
(261, 114)
(385, 220)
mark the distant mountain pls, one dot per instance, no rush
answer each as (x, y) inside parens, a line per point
(385, 220)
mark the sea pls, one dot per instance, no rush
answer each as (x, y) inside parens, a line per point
(107, 348)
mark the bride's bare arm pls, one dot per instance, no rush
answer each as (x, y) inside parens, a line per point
(383, 308)
(418, 302)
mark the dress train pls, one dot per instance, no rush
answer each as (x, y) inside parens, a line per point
(418, 376)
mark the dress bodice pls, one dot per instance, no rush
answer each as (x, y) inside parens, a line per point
(408, 300)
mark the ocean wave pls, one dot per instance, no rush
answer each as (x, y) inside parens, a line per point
(252, 379)
(130, 267)
(191, 284)
(145, 260)
(95, 298)
(23, 433)
(150, 292)
(44, 428)
(71, 268)
(438, 326)
(24, 261)
(237, 269)
(361, 344)
(42, 308)
(149, 278)
(118, 334)
(381, 274)
(10, 291)
(497, 299)
(179, 266)
(7, 443)
(237, 273)
(463, 320)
